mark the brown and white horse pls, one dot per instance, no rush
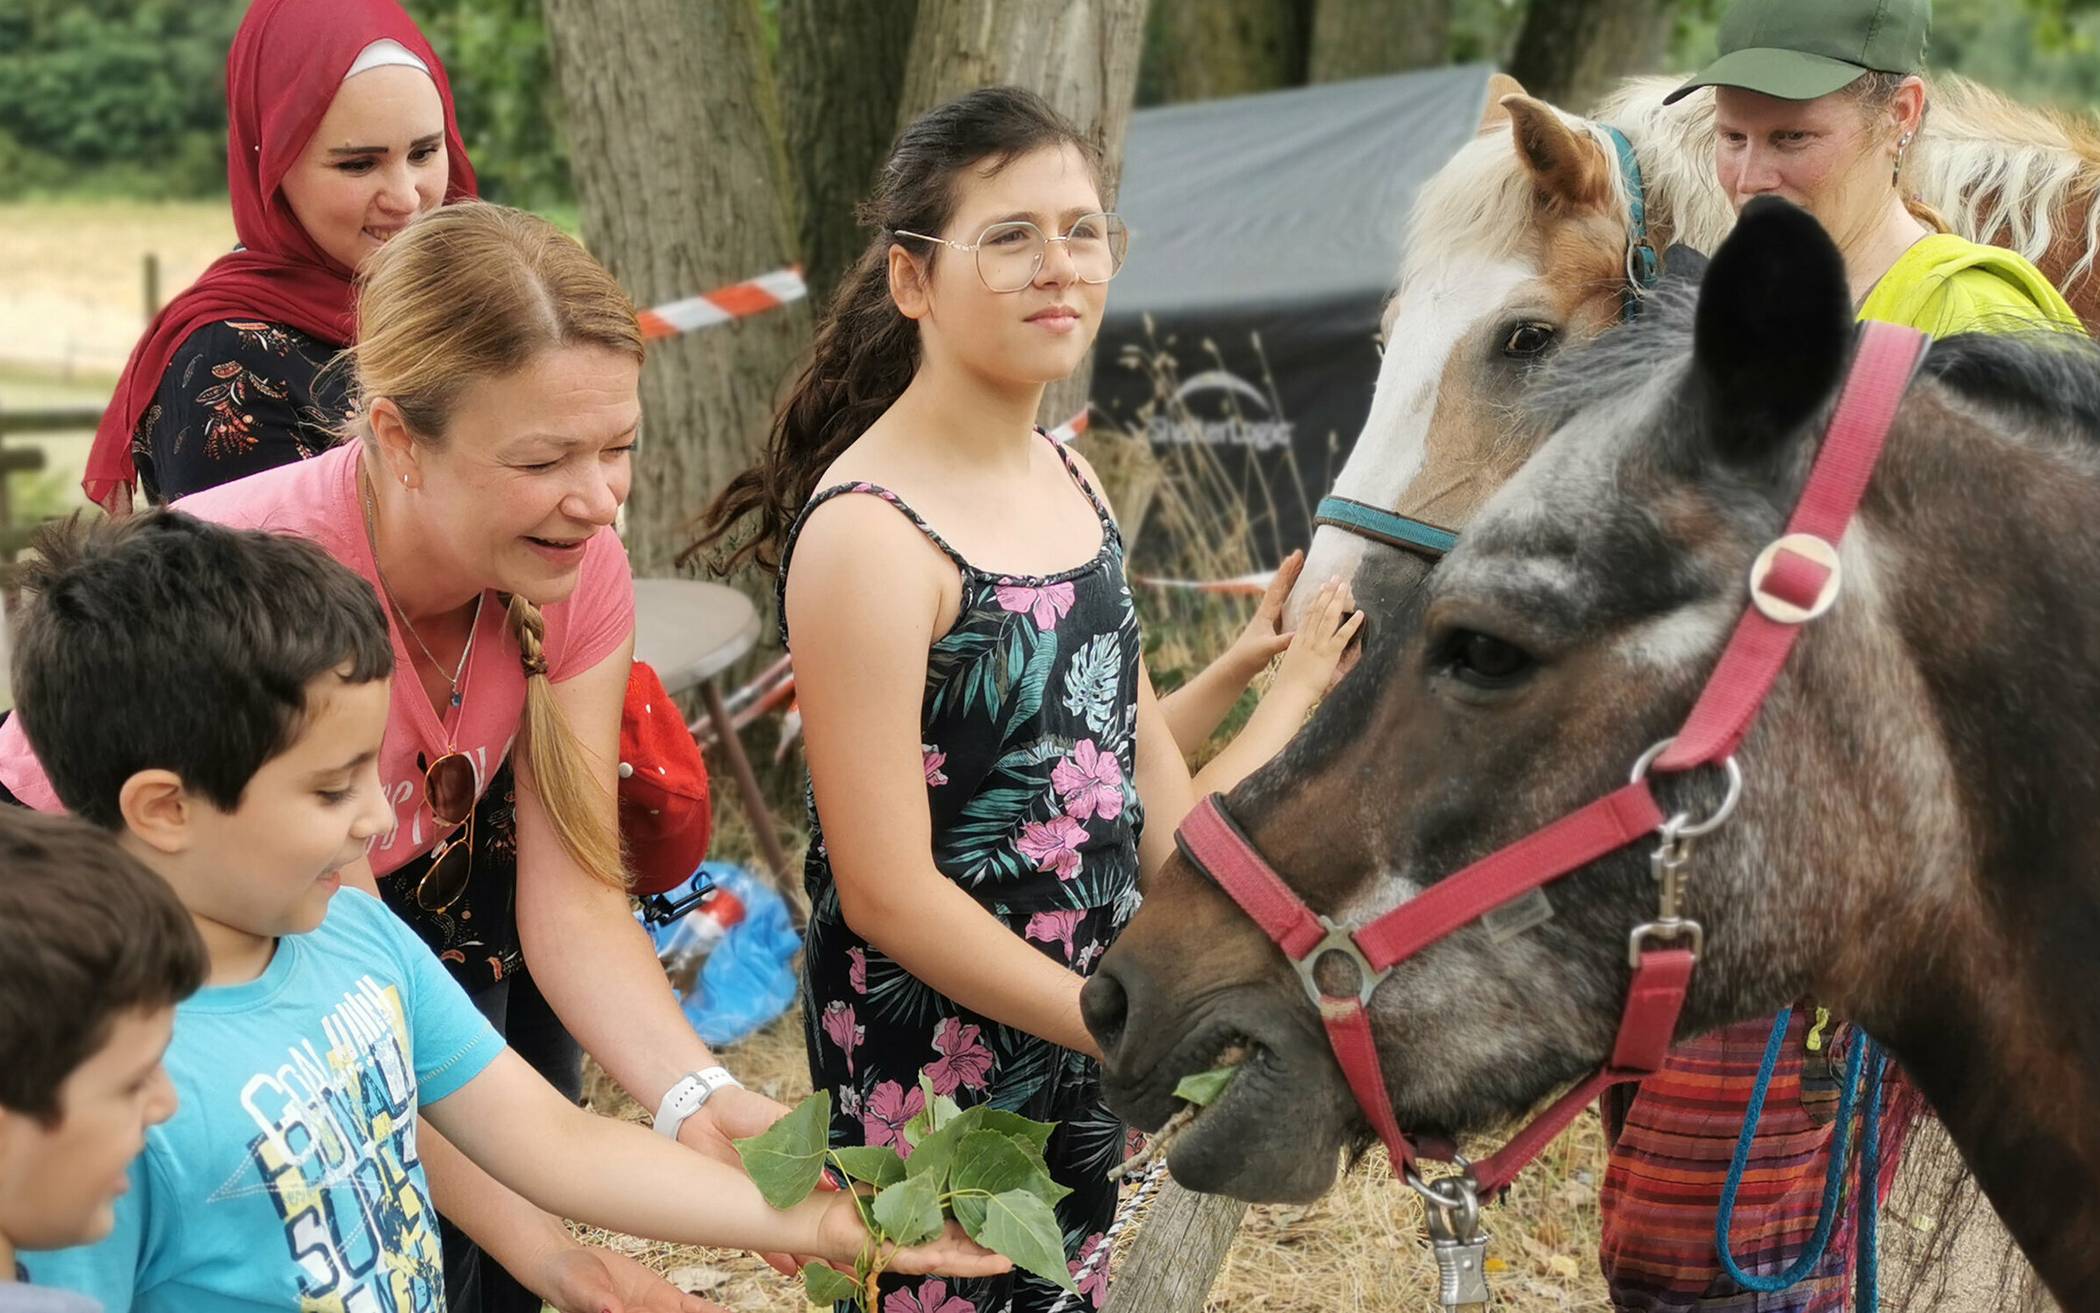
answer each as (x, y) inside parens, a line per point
(1918, 839)
(1517, 248)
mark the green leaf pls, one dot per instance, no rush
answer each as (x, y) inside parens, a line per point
(988, 1164)
(828, 1285)
(932, 1156)
(1022, 1227)
(1203, 1088)
(878, 1166)
(909, 1212)
(788, 1159)
(1014, 1124)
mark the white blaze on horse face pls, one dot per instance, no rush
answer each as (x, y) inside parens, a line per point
(1437, 311)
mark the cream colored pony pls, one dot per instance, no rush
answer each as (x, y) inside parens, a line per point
(1518, 247)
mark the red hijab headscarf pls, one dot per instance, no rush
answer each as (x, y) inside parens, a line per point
(288, 60)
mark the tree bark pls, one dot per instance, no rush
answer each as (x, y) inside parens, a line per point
(842, 68)
(1180, 1245)
(1366, 38)
(1570, 52)
(1080, 55)
(1206, 49)
(682, 181)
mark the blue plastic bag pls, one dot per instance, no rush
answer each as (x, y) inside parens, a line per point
(747, 978)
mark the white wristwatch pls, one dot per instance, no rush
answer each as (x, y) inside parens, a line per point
(690, 1096)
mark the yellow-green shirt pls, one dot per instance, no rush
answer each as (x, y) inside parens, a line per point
(1946, 284)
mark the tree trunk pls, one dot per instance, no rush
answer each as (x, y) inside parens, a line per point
(1571, 51)
(1365, 38)
(681, 176)
(842, 68)
(1211, 48)
(1180, 1247)
(1080, 55)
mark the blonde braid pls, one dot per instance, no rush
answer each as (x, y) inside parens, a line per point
(583, 815)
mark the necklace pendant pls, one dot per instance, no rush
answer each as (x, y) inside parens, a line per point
(455, 697)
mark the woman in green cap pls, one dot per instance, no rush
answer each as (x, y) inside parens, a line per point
(1817, 102)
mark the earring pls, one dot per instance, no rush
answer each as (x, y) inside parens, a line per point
(404, 480)
(1896, 169)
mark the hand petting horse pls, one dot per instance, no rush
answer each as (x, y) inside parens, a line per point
(1918, 834)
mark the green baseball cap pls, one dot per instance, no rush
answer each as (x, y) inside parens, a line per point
(1802, 49)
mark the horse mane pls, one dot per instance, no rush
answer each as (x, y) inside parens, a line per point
(2031, 370)
(2000, 172)
(2048, 377)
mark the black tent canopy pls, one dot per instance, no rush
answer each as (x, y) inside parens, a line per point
(1266, 232)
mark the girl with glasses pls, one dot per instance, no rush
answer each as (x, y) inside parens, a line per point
(989, 768)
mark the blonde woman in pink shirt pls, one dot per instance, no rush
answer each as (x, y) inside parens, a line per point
(491, 446)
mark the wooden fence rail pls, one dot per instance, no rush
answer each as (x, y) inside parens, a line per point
(1179, 1250)
(29, 460)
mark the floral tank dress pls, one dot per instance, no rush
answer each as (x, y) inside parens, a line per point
(1028, 736)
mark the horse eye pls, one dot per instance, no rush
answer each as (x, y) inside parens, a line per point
(1528, 341)
(1484, 661)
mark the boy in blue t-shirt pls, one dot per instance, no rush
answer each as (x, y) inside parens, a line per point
(94, 954)
(217, 698)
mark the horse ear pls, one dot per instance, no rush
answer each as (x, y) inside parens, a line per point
(1773, 331)
(1567, 166)
(1500, 87)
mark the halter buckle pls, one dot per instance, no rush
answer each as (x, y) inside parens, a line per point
(1810, 548)
(1340, 939)
(1683, 827)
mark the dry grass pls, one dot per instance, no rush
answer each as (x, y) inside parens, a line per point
(74, 300)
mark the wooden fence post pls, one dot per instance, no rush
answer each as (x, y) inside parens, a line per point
(1179, 1249)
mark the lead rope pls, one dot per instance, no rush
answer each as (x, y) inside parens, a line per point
(1868, 1192)
(1126, 1213)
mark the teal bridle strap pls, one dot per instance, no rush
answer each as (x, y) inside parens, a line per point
(1640, 253)
(1388, 527)
(1432, 541)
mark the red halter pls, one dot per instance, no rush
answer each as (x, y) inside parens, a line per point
(1794, 579)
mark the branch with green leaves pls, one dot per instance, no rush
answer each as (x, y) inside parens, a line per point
(980, 1166)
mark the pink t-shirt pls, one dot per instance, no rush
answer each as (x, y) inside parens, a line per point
(317, 499)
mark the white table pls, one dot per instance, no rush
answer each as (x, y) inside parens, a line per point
(691, 631)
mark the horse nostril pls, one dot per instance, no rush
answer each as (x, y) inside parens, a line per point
(1104, 1007)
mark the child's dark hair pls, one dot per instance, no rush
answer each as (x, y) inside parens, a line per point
(87, 934)
(160, 641)
(866, 350)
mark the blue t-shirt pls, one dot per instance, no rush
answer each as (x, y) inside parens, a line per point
(288, 1178)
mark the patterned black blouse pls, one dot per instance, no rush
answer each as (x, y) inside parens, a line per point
(239, 396)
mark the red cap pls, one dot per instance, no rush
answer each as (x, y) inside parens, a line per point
(665, 818)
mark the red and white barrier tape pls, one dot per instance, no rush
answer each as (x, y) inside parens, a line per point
(1246, 585)
(1071, 428)
(736, 301)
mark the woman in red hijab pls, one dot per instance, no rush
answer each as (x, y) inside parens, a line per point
(340, 132)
